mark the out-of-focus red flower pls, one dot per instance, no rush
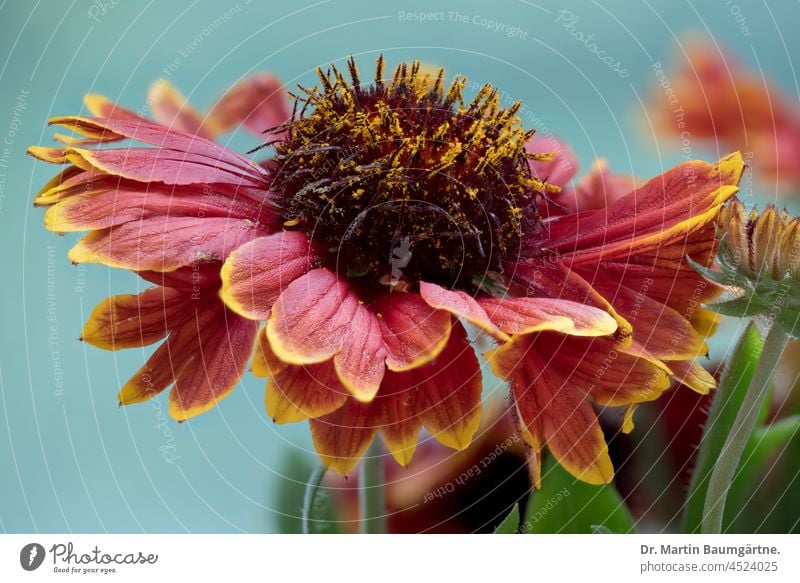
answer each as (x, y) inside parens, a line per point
(442, 491)
(713, 97)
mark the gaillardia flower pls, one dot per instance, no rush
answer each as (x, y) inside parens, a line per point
(391, 215)
(711, 96)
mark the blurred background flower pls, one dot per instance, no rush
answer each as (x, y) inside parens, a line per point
(712, 96)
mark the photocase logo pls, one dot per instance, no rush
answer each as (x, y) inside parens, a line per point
(31, 556)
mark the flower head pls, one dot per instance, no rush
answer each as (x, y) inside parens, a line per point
(759, 261)
(392, 215)
(365, 168)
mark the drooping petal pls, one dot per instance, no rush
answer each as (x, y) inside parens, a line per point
(694, 376)
(444, 395)
(303, 391)
(395, 413)
(342, 437)
(296, 392)
(319, 316)
(169, 360)
(221, 352)
(128, 321)
(661, 330)
(449, 398)
(256, 273)
(553, 378)
(265, 363)
(203, 358)
(552, 279)
(413, 332)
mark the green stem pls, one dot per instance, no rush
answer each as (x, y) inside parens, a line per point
(312, 487)
(743, 426)
(371, 503)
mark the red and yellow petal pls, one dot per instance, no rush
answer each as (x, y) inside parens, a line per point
(682, 200)
(661, 330)
(444, 395)
(552, 410)
(693, 375)
(319, 316)
(218, 359)
(128, 321)
(449, 392)
(168, 361)
(49, 155)
(74, 182)
(164, 165)
(265, 363)
(101, 106)
(105, 209)
(164, 139)
(165, 243)
(460, 304)
(396, 415)
(342, 437)
(256, 273)
(553, 377)
(413, 332)
(553, 279)
(528, 315)
(296, 392)
(301, 392)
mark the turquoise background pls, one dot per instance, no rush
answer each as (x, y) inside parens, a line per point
(70, 459)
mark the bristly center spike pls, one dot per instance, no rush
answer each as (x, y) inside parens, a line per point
(406, 164)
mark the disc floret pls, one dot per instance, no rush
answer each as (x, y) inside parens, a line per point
(403, 180)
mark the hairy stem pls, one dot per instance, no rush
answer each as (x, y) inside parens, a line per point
(743, 426)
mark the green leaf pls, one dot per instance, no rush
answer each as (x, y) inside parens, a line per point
(742, 307)
(790, 322)
(567, 505)
(723, 277)
(510, 524)
(727, 401)
(763, 444)
(600, 529)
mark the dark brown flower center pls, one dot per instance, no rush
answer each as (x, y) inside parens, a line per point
(402, 181)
